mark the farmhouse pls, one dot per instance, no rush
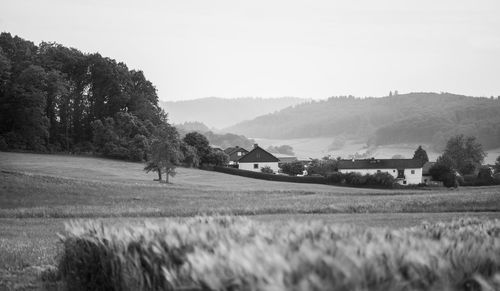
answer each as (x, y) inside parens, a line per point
(257, 159)
(405, 171)
(235, 153)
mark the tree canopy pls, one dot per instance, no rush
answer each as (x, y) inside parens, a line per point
(465, 154)
(421, 154)
(54, 98)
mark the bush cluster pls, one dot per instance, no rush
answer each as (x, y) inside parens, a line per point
(269, 176)
(382, 179)
(229, 253)
(356, 179)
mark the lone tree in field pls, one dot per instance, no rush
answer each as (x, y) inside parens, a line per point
(465, 153)
(421, 154)
(165, 152)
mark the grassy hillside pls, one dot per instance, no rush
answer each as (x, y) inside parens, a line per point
(425, 118)
(223, 112)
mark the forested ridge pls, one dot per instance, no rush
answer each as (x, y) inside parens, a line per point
(407, 118)
(54, 98)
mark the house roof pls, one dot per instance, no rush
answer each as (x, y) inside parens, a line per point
(258, 155)
(379, 164)
(232, 150)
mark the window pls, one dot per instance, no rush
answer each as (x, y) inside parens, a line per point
(394, 171)
(413, 171)
(239, 154)
(404, 182)
(255, 166)
(378, 171)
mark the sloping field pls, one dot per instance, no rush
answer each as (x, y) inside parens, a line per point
(65, 187)
(106, 170)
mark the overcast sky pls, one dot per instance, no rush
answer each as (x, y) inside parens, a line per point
(271, 48)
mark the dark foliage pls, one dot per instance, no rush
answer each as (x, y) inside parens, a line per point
(267, 170)
(421, 154)
(293, 168)
(217, 158)
(383, 180)
(464, 154)
(322, 167)
(270, 177)
(200, 143)
(54, 98)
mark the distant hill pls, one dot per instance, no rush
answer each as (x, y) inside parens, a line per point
(221, 112)
(429, 118)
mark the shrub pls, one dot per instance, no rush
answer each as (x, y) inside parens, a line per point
(270, 177)
(3, 144)
(267, 170)
(496, 179)
(485, 176)
(293, 168)
(381, 178)
(335, 178)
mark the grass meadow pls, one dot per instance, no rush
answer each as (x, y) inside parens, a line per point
(40, 193)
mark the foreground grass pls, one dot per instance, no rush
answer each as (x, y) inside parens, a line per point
(229, 253)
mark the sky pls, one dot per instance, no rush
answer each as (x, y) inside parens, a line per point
(271, 48)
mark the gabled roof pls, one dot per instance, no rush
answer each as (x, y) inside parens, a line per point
(258, 155)
(380, 164)
(232, 150)
(229, 150)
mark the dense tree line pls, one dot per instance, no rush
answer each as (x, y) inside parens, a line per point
(54, 98)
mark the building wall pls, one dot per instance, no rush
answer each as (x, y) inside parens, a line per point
(250, 166)
(411, 179)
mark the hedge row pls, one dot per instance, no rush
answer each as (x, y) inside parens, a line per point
(383, 180)
(271, 177)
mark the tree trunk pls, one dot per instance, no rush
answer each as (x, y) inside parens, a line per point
(159, 175)
(166, 176)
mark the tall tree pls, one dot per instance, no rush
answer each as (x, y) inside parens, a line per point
(465, 153)
(200, 142)
(421, 154)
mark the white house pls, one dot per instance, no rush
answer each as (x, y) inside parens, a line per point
(405, 171)
(257, 159)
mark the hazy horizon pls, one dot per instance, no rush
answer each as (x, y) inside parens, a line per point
(229, 49)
